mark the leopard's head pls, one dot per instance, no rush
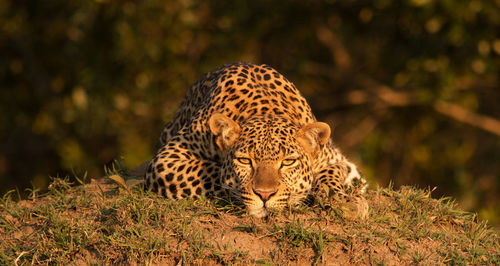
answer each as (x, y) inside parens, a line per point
(267, 160)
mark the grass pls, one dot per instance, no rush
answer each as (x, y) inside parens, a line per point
(112, 222)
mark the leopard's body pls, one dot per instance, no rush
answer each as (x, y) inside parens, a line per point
(245, 129)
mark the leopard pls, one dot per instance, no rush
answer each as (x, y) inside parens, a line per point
(245, 131)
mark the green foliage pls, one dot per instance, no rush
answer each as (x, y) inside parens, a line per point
(86, 82)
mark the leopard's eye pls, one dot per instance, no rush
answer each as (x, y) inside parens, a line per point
(288, 162)
(244, 160)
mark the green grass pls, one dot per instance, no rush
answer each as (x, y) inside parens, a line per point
(105, 222)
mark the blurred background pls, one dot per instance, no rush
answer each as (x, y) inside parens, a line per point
(411, 88)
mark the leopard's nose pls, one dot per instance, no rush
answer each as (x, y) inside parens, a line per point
(265, 195)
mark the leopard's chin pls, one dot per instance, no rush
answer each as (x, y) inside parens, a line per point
(259, 213)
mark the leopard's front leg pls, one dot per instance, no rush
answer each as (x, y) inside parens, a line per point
(341, 182)
(178, 172)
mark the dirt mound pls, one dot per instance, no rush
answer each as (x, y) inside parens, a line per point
(101, 223)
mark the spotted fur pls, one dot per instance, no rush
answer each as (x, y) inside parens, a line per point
(245, 130)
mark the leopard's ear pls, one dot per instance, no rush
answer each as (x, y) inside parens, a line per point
(225, 130)
(313, 136)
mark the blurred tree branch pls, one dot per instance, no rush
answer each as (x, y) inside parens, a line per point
(393, 98)
(339, 53)
(468, 117)
(390, 97)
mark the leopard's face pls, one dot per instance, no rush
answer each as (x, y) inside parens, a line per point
(266, 166)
